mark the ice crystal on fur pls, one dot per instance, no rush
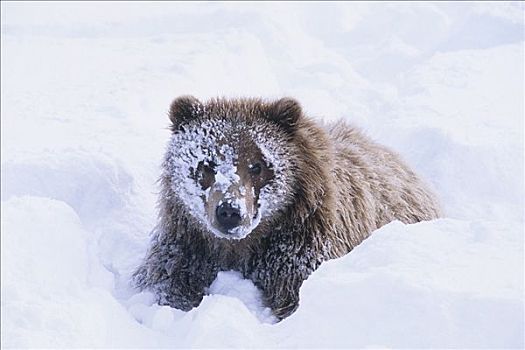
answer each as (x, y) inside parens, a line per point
(214, 142)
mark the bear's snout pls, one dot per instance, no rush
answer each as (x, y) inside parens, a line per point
(228, 216)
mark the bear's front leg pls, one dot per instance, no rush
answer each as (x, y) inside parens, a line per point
(282, 295)
(176, 275)
(280, 273)
(186, 285)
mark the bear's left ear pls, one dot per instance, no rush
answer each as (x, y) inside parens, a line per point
(184, 108)
(285, 112)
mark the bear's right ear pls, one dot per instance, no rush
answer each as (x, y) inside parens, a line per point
(184, 108)
(285, 112)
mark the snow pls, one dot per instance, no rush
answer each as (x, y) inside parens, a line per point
(456, 290)
(85, 92)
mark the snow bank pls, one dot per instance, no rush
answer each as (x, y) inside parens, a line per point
(434, 284)
(85, 91)
(49, 278)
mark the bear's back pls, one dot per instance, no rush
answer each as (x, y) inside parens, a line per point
(373, 187)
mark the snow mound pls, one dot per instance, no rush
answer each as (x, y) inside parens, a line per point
(100, 186)
(434, 284)
(49, 278)
(233, 285)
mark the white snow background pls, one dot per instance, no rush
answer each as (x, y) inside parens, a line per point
(85, 93)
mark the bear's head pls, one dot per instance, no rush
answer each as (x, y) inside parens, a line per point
(231, 163)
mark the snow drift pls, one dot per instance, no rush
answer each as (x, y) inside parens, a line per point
(85, 93)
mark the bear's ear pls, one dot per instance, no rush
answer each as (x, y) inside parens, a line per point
(285, 112)
(184, 108)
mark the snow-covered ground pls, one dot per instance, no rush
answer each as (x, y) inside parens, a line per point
(85, 93)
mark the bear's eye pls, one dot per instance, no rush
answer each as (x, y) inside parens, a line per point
(255, 169)
(209, 168)
(206, 174)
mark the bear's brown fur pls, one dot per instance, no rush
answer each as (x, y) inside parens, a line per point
(338, 187)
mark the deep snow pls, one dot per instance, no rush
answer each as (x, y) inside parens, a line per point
(85, 93)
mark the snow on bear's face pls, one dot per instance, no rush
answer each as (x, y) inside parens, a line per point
(229, 174)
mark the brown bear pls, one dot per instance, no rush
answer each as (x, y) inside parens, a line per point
(257, 187)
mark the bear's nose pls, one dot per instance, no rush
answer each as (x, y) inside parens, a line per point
(228, 216)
